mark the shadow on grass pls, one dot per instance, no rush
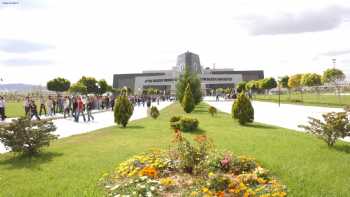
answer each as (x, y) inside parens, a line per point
(29, 162)
(134, 127)
(260, 126)
(198, 131)
(343, 148)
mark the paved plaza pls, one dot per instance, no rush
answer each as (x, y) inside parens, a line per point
(286, 115)
(67, 127)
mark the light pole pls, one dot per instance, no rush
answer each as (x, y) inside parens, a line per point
(334, 61)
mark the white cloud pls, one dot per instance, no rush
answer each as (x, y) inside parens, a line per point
(100, 38)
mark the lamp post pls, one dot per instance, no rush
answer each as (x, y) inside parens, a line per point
(334, 61)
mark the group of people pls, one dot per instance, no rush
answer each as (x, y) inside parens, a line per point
(69, 106)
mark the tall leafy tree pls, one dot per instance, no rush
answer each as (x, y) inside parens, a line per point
(267, 83)
(90, 83)
(58, 84)
(188, 103)
(311, 79)
(78, 88)
(333, 75)
(295, 82)
(103, 86)
(195, 85)
(283, 81)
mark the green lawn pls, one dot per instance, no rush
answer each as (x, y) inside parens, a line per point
(73, 165)
(14, 109)
(308, 99)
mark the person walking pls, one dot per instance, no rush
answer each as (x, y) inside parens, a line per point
(50, 106)
(89, 107)
(33, 110)
(66, 107)
(42, 105)
(2, 108)
(27, 106)
(79, 110)
(148, 107)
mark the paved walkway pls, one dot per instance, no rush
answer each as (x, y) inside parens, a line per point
(287, 115)
(67, 127)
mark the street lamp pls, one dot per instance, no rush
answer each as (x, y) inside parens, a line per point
(334, 61)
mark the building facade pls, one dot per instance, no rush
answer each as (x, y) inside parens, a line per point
(165, 80)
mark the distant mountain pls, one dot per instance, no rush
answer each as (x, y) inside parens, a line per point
(20, 87)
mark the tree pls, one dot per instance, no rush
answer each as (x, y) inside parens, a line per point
(78, 88)
(252, 85)
(267, 83)
(123, 109)
(25, 136)
(333, 76)
(242, 109)
(311, 79)
(90, 83)
(241, 86)
(295, 82)
(283, 81)
(219, 90)
(195, 85)
(103, 86)
(336, 125)
(188, 103)
(58, 84)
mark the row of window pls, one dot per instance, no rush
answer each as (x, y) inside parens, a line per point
(203, 79)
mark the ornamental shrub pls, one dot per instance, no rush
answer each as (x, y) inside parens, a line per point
(123, 110)
(188, 103)
(175, 122)
(336, 125)
(154, 112)
(212, 110)
(25, 136)
(184, 123)
(188, 124)
(242, 109)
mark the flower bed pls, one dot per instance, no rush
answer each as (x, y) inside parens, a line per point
(191, 170)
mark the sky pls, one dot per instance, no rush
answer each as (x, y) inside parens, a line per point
(41, 40)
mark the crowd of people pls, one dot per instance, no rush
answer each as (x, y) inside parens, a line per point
(76, 106)
(69, 106)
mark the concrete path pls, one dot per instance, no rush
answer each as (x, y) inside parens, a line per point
(67, 127)
(287, 115)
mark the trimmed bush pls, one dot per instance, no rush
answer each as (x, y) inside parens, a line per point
(154, 112)
(188, 124)
(28, 137)
(242, 109)
(123, 110)
(212, 110)
(188, 103)
(175, 122)
(184, 123)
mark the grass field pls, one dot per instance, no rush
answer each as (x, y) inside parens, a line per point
(308, 99)
(73, 165)
(14, 109)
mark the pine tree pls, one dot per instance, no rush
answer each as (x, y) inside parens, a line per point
(123, 109)
(189, 78)
(188, 102)
(242, 109)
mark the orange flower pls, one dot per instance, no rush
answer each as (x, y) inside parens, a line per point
(149, 171)
(220, 194)
(201, 138)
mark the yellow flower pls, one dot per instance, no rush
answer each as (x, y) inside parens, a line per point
(205, 190)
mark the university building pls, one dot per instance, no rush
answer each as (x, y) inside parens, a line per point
(165, 80)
